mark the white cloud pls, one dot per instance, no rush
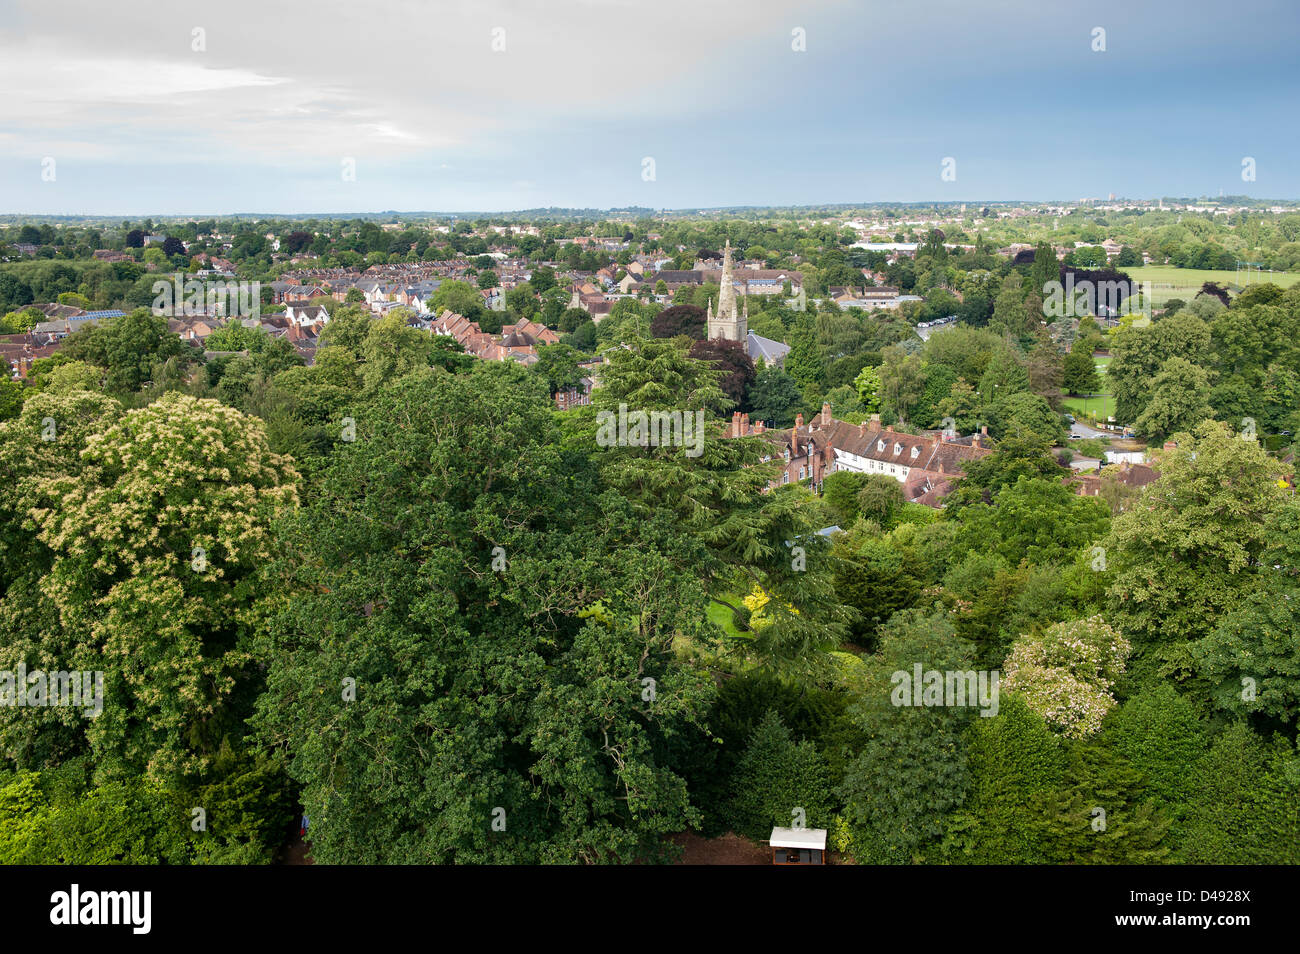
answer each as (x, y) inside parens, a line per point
(293, 81)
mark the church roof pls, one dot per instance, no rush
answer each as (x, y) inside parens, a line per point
(772, 352)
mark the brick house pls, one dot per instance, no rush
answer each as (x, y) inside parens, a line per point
(927, 466)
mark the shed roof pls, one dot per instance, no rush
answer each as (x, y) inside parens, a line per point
(798, 838)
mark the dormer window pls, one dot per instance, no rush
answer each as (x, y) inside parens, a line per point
(916, 452)
(880, 445)
(898, 448)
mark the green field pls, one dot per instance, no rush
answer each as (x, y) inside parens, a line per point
(1088, 408)
(1084, 408)
(1169, 282)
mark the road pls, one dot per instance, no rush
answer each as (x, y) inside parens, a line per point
(1083, 430)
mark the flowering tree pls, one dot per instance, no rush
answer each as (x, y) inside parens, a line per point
(1065, 674)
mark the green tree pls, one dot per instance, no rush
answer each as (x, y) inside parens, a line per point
(1178, 400)
(498, 620)
(881, 499)
(1017, 765)
(867, 384)
(558, 365)
(1189, 551)
(1252, 659)
(155, 539)
(393, 348)
(1099, 815)
(1158, 732)
(774, 396)
(1080, 373)
(1027, 415)
(1138, 354)
(911, 771)
(902, 381)
(778, 781)
(131, 348)
(1243, 805)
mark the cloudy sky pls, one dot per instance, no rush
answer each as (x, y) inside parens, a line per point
(173, 107)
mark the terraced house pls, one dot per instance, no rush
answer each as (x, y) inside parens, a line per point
(927, 466)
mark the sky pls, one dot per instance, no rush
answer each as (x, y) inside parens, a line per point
(167, 107)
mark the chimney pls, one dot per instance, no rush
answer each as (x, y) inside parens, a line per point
(984, 430)
(744, 424)
(735, 423)
(1170, 445)
(798, 421)
(875, 422)
(862, 428)
(826, 413)
(758, 428)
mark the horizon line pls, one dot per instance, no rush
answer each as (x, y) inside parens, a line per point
(433, 213)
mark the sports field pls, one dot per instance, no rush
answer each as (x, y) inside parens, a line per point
(1169, 282)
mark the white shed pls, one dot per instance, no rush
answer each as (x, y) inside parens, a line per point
(798, 846)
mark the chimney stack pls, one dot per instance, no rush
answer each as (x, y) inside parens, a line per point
(798, 421)
(875, 421)
(758, 428)
(744, 424)
(826, 413)
(889, 428)
(735, 423)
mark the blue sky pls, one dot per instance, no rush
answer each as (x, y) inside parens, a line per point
(508, 104)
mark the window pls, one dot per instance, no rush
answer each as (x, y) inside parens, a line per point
(916, 452)
(801, 472)
(880, 445)
(898, 448)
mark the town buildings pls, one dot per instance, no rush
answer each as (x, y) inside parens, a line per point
(926, 465)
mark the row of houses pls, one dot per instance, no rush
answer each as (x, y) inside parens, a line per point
(518, 342)
(927, 465)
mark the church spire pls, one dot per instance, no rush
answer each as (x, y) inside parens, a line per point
(727, 294)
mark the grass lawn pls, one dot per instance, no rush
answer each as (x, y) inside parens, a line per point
(719, 614)
(1169, 282)
(1103, 407)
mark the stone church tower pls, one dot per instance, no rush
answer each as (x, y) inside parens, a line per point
(726, 323)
